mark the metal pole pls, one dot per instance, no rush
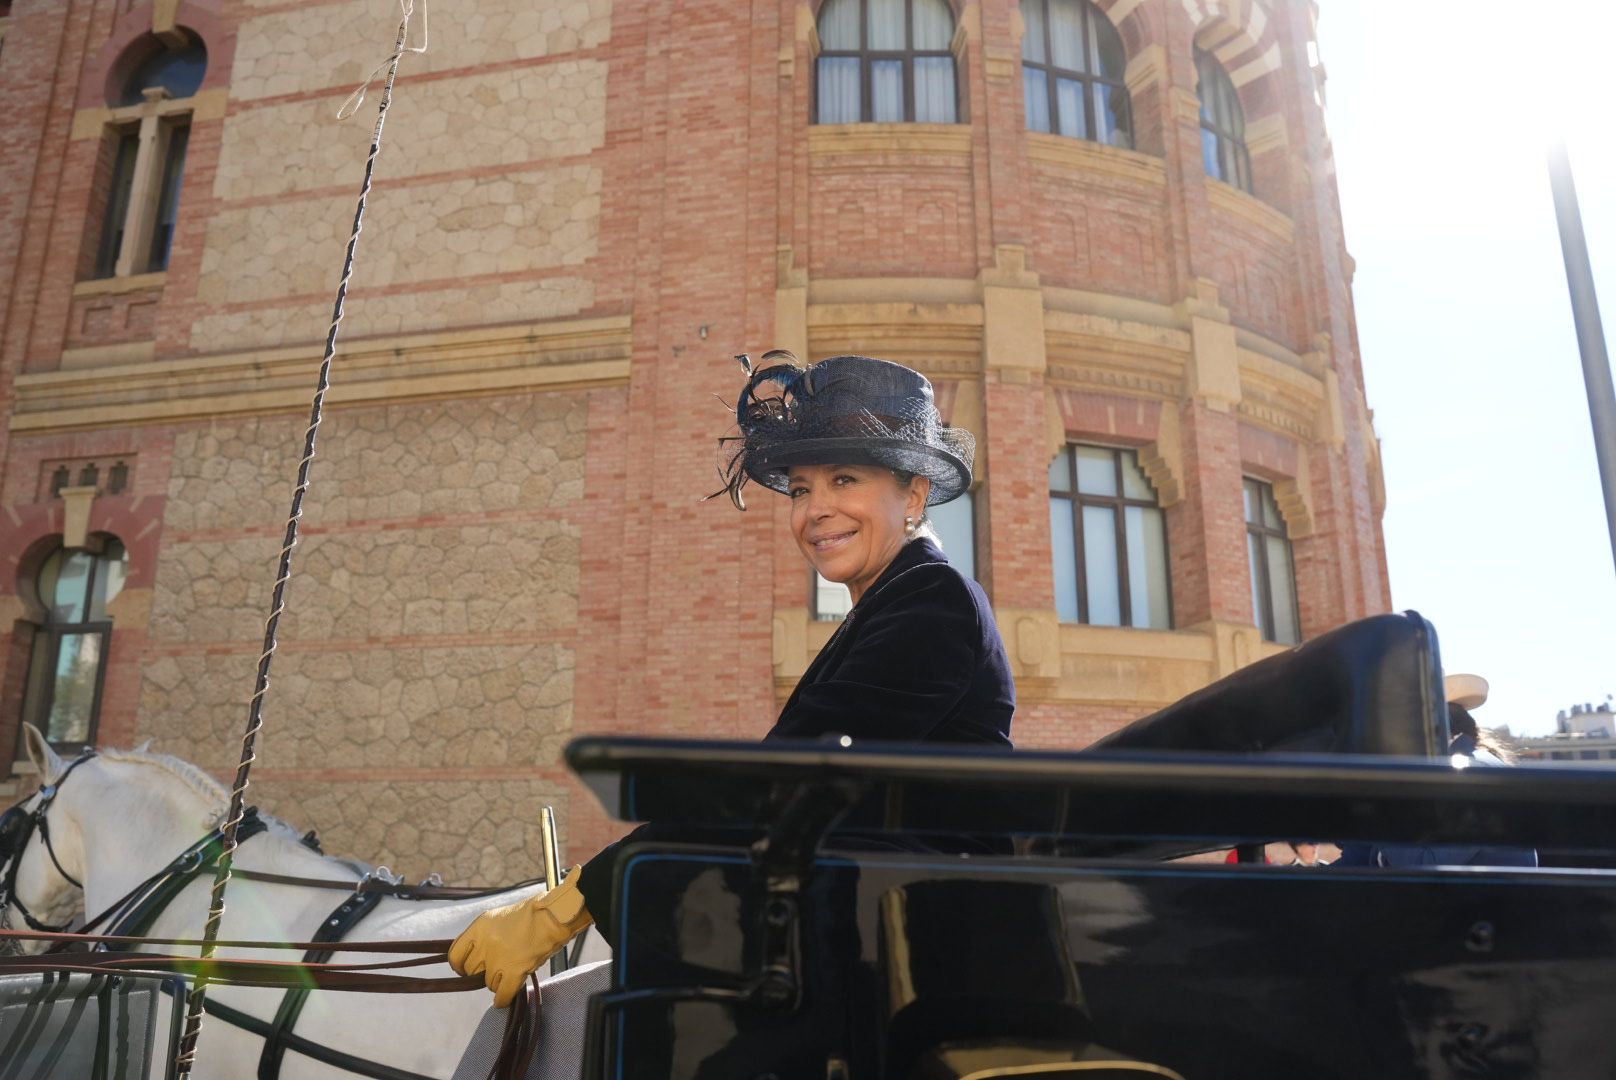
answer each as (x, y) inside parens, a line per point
(1590, 333)
(551, 853)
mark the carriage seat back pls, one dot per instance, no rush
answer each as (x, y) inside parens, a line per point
(1373, 686)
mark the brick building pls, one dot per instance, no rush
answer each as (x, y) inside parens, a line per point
(1107, 231)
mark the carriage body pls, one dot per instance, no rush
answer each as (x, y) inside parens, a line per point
(831, 911)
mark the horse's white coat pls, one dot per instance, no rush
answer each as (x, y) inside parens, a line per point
(123, 815)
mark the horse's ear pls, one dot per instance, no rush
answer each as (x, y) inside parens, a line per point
(41, 754)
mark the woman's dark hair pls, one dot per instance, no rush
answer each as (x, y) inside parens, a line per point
(1460, 722)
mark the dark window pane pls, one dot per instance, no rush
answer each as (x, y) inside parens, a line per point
(112, 566)
(37, 688)
(1066, 35)
(168, 198)
(934, 90)
(1209, 155)
(886, 91)
(1282, 591)
(1032, 42)
(78, 667)
(1110, 62)
(1253, 497)
(832, 600)
(886, 25)
(1259, 611)
(179, 71)
(1134, 484)
(1064, 544)
(1060, 472)
(955, 523)
(1035, 88)
(839, 25)
(1147, 568)
(934, 24)
(1069, 108)
(1102, 579)
(67, 603)
(1096, 470)
(839, 101)
(1270, 509)
(1113, 117)
(112, 225)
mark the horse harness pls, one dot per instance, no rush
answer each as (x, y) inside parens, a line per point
(17, 828)
(134, 913)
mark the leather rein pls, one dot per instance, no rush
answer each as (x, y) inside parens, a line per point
(135, 911)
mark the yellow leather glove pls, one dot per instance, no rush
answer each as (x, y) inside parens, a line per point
(507, 944)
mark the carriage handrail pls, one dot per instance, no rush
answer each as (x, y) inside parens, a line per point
(1137, 797)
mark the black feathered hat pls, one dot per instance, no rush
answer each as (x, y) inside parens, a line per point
(844, 410)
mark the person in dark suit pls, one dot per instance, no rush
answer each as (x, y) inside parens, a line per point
(858, 446)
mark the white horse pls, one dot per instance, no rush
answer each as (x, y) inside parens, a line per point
(121, 816)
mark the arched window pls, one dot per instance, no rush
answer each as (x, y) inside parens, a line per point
(1108, 539)
(1223, 124)
(143, 158)
(69, 658)
(1071, 72)
(886, 62)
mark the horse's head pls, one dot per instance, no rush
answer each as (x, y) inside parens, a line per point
(39, 854)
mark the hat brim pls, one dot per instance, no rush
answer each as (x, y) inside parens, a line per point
(1465, 691)
(949, 475)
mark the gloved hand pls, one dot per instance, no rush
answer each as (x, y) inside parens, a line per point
(507, 944)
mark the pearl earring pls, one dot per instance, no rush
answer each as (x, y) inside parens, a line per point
(909, 525)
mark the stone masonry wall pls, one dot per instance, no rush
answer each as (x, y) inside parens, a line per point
(425, 680)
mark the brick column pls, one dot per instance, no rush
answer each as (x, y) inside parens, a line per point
(1016, 555)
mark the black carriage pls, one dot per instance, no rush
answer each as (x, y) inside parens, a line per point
(915, 912)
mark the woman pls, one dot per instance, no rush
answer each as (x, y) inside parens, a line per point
(858, 447)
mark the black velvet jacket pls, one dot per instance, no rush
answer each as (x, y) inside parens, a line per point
(919, 659)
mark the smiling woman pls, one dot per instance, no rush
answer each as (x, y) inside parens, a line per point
(858, 446)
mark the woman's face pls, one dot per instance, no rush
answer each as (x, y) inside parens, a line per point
(848, 519)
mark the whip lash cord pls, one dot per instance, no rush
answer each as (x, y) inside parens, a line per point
(186, 1057)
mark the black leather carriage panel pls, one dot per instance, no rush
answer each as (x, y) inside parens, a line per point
(1371, 687)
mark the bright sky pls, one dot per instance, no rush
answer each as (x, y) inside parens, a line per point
(1440, 112)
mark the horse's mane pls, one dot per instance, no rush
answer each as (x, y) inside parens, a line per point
(215, 794)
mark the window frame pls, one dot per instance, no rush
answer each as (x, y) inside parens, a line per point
(37, 702)
(1264, 582)
(867, 58)
(154, 123)
(1117, 504)
(1229, 129)
(1052, 74)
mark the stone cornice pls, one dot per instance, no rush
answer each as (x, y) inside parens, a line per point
(1279, 397)
(570, 354)
(1089, 157)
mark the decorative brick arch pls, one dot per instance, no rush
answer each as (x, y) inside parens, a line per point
(117, 57)
(1240, 33)
(1133, 21)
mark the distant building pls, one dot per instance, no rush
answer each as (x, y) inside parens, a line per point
(1582, 733)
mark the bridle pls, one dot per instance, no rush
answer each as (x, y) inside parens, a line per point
(17, 828)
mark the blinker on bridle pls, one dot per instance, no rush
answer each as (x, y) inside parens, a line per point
(17, 828)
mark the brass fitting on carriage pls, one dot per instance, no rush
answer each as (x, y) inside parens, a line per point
(507, 944)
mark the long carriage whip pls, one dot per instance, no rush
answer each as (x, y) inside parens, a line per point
(186, 1058)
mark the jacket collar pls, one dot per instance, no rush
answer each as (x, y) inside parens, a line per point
(912, 554)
